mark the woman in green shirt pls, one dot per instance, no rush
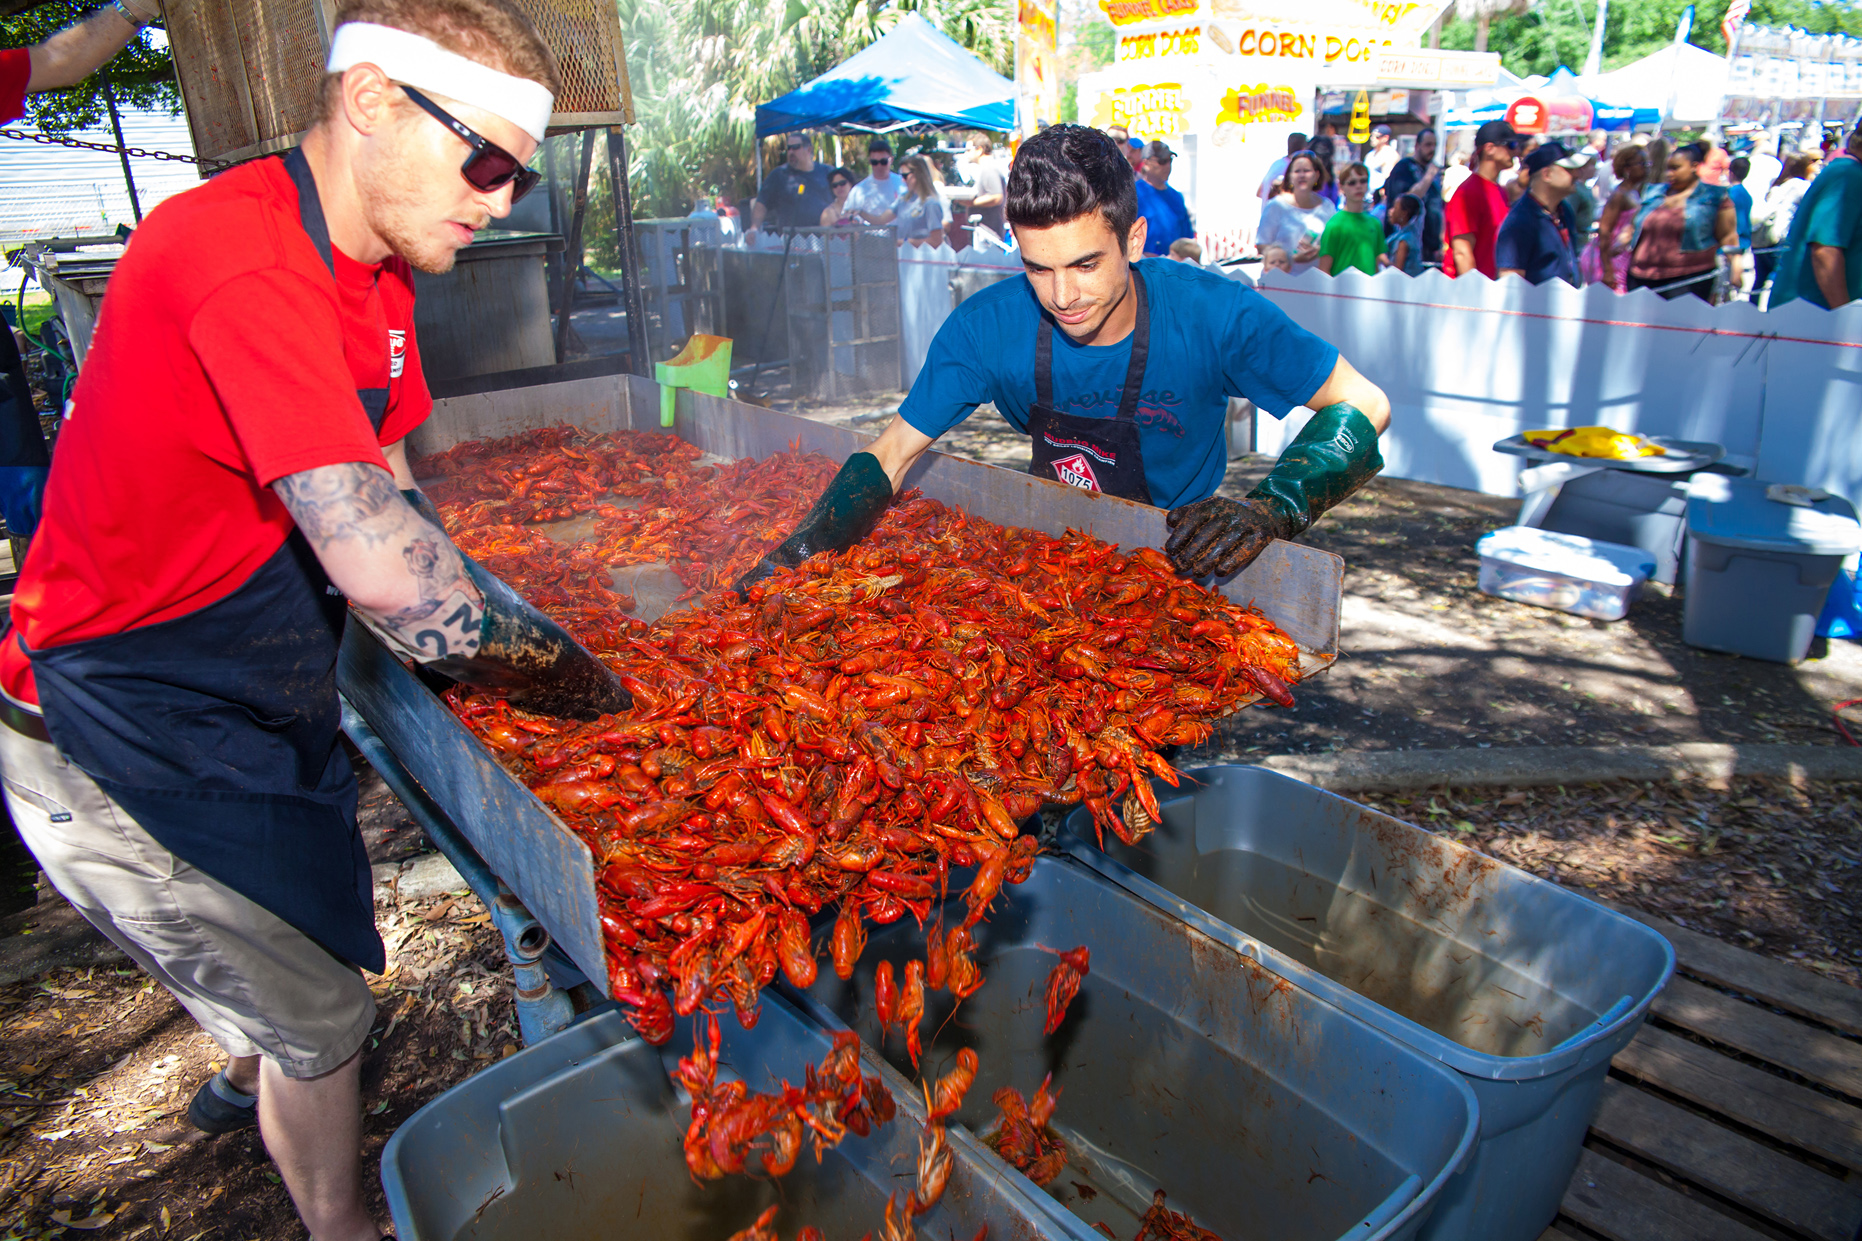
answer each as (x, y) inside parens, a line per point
(1353, 237)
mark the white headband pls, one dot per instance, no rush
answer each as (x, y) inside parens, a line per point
(422, 63)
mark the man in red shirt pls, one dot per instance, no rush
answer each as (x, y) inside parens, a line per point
(69, 56)
(233, 468)
(1474, 215)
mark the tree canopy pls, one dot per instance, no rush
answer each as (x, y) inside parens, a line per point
(1550, 33)
(142, 75)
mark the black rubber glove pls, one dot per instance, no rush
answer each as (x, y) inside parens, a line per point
(1332, 457)
(843, 515)
(524, 652)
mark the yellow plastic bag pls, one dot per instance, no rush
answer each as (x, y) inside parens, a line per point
(1595, 442)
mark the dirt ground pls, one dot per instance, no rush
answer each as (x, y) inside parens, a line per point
(97, 1063)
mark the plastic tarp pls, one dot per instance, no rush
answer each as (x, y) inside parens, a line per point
(913, 77)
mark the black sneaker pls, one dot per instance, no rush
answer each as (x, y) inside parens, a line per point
(220, 1107)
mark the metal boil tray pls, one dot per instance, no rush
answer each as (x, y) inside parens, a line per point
(548, 866)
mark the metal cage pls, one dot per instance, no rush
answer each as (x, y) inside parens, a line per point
(251, 71)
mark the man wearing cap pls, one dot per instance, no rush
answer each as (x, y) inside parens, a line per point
(1536, 239)
(1381, 158)
(794, 195)
(1471, 223)
(233, 475)
(1159, 202)
(1119, 367)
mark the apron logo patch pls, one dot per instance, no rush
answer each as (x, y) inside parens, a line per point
(1094, 451)
(1076, 471)
(397, 353)
(63, 816)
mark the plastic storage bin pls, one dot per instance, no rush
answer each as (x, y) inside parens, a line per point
(1758, 572)
(579, 1138)
(1525, 989)
(1182, 1065)
(1563, 571)
(1646, 511)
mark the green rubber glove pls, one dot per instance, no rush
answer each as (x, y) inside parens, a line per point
(842, 517)
(1332, 457)
(526, 653)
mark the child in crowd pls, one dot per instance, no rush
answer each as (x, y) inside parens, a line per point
(1352, 237)
(1403, 248)
(1186, 251)
(1276, 258)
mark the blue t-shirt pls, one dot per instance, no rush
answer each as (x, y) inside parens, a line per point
(1535, 243)
(1211, 339)
(1412, 233)
(1742, 210)
(1168, 213)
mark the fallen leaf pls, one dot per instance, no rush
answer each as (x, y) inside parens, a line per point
(379, 1108)
(86, 1224)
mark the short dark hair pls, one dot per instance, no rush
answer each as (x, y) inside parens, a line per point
(1412, 205)
(1065, 171)
(879, 144)
(1740, 168)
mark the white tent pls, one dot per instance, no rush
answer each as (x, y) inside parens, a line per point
(1691, 78)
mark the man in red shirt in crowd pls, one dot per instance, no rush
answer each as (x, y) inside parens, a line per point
(1474, 215)
(234, 459)
(69, 56)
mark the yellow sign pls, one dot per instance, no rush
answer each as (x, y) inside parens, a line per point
(1254, 105)
(1185, 42)
(1360, 131)
(1125, 12)
(1144, 111)
(1037, 68)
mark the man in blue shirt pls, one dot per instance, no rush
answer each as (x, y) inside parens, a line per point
(1537, 239)
(1822, 261)
(1166, 215)
(1121, 375)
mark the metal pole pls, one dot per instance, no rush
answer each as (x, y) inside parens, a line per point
(553, 262)
(1593, 60)
(572, 255)
(632, 298)
(116, 127)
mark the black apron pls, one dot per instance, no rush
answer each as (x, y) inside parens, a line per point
(218, 731)
(1094, 454)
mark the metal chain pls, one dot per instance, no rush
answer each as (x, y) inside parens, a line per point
(137, 152)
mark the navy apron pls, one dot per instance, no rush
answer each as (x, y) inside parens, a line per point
(218, 731)
(1094, 454)
(24, 461)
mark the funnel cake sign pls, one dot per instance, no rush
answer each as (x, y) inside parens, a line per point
(1254, 105)
(1157, 111)
(1128, 12)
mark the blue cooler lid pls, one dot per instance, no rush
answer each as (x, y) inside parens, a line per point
(1733, 512)
(1569, 555)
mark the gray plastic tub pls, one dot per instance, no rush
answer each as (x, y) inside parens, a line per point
(579, 1137)
(1182, 1065)
(1524, 988)
(1759, 571)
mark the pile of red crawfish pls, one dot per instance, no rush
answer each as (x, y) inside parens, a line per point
(845, 736)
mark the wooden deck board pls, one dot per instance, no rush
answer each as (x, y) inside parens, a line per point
(1827, 1059)
(1764, 1181)
(1624, 1205)
(1783, 986)
(1749, 1096)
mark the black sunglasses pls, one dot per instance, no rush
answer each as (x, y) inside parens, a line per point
(879, 159)
(489, 167)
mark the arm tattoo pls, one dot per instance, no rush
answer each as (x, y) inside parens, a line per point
(354, 513)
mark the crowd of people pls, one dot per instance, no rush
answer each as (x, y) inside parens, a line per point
(1636, 212)
(1679, 220)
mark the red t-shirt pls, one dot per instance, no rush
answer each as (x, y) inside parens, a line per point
(224, 358)
(15, 72)
(1478, 207)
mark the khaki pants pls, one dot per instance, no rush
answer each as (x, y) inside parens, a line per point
(257, 985)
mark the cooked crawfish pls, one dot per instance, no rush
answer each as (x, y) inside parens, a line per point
(854, 731)
(1022, 1136)
(1063, 983)
(1160, 1223)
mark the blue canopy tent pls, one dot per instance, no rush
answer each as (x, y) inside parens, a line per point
(915, 77)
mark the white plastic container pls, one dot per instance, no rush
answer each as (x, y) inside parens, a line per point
(1568, 572)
